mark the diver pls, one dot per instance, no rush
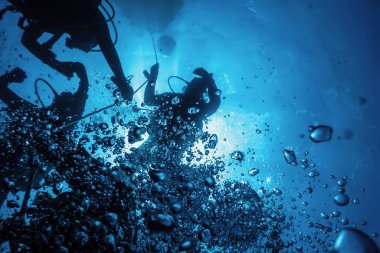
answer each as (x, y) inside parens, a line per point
(81, 20)
(27, 122)
(35, 140)
(36, 152)
(178, 120)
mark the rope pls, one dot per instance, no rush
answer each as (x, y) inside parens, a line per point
(37, 93)
(178, 77)
(102, 109)
(154, 46)
(110, 17)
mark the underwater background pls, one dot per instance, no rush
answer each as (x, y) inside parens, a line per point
(282, 66)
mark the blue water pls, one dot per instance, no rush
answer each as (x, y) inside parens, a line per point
(282, 66)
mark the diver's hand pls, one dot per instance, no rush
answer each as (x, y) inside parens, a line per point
(17, 75)
(152, 76)
(202, 73)
(154, 72)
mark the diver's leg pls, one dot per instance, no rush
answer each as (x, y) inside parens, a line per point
(30, 41)
(109, 52)
(10, 98)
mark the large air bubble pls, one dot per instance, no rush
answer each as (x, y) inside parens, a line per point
(321, 133)
(351, 240)
(341, 199)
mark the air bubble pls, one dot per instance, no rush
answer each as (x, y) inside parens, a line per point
(321, 133)
(237, 155)
(290, 157)
(253, 172)
(341, 199)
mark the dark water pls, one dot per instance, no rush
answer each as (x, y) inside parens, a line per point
(287, 162)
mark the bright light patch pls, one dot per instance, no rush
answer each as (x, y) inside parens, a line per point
(226, 79)
(137, 144)
(239, 130)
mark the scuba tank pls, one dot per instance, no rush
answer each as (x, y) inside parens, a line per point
(54, 13)
(73, 17)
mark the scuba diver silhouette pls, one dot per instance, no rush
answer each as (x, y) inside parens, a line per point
(65, 107)
(35, 151)
(178, 121)
(34, 138)
(81, 20)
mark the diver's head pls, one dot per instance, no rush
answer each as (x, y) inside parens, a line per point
(196, 89)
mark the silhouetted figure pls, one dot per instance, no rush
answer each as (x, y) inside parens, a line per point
(81, 20)
(33, 134)
(30, 146)
(178, 121)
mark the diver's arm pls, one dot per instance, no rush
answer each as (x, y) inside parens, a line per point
(16, 75)
(10, 98)
(4, 81)
(107, 47)
(150, 98)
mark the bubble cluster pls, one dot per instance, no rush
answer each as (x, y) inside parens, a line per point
(90, 195)
(137, 203)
